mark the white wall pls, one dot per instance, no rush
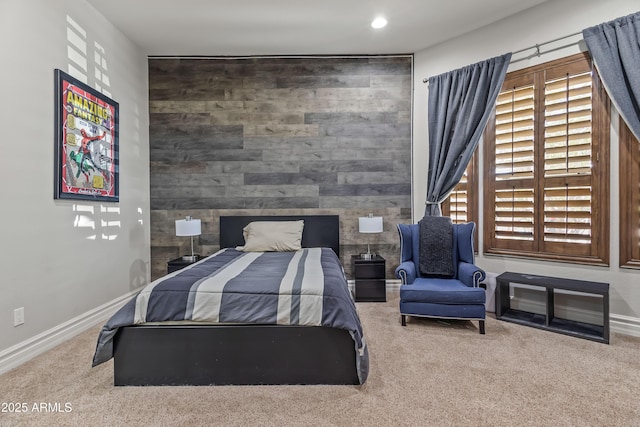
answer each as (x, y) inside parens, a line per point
(62, 259)
(543, 23)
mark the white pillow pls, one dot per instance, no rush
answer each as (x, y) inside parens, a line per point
(272, 236)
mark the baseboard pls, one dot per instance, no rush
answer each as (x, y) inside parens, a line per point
(28, 349)
(390, 283)
(624, 325)
(393, 283)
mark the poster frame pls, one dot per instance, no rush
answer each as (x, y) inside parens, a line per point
(83, 168)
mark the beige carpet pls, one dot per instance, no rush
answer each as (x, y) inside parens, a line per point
(426, 374)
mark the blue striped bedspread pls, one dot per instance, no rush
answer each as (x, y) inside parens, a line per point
(306, 287)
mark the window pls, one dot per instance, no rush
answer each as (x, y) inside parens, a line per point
(546, 188)
(629, 198)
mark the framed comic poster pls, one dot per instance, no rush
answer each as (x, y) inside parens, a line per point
(86, 142)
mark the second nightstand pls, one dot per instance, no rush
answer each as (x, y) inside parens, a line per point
(179, 264)
(369, 275)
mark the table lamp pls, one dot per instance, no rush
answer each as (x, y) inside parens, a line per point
(189, 227)
(369, 224)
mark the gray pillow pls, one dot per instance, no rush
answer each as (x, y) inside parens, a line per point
(272, 236)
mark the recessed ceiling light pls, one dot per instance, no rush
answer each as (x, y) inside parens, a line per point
(379, 22)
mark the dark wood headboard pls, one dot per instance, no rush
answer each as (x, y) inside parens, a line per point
(319, 230)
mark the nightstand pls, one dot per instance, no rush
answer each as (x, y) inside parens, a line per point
(179, 264)
(369, 275)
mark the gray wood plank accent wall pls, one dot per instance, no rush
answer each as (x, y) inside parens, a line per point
(256, 136)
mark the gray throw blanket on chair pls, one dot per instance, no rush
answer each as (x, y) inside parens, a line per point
(436, 246)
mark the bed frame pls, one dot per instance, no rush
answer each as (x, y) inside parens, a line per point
(240, 354)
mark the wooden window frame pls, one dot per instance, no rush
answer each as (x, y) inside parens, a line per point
(629, 198)
(597, 252)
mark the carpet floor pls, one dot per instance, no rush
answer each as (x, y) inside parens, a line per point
(429, 373)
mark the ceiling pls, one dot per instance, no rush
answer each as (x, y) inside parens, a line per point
(298, 27)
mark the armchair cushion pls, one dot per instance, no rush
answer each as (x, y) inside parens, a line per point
(441, 291)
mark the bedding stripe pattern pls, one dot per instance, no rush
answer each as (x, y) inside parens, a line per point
(305, 287)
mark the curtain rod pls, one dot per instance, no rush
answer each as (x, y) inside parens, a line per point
(536, 46)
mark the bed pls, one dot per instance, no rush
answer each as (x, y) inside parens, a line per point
(291, 349)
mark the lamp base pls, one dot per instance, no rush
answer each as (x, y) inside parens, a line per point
(367, 256)
(191, 258)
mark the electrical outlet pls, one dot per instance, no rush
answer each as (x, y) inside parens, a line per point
(18, 316)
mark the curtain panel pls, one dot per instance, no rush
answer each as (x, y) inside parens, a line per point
(615, 49)
(460, 104)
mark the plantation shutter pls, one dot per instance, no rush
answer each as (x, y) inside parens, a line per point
(458, 201)
(567, 162)
(462, 204)
(629, 198)
(514, 166)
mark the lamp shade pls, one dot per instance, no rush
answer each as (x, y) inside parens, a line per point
(371, 224)
(188, 227)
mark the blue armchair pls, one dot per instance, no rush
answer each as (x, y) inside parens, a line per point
(458, 297)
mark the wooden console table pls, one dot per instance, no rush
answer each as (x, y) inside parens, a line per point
(549, 321)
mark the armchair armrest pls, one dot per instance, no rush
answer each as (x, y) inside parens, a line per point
(470, 274)
(406, 272)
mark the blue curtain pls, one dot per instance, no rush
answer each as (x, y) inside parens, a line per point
(615, 49)
(460, 103)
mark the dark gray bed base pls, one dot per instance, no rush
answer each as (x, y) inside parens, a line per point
(240, 354)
